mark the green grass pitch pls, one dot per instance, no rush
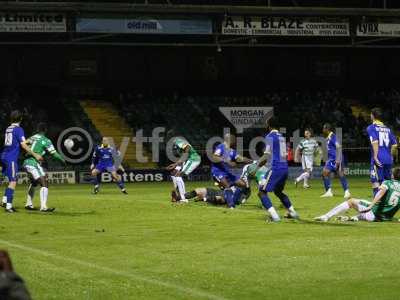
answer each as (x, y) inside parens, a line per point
(140, 246)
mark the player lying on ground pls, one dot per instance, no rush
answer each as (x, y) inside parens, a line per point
(333, 164)
(103, 161)
(240, 195)
(383, 144)
(13, 141)
(215, 196)
(41, 145)
(223, 158)
(382, 208)
(307, 149)
(189, 160)
(272, 172)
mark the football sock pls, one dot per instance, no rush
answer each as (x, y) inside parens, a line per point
(44, 192)
(375, 191)
(344, 183)
(10, 196)
(121, 184)
(228, 195)
(266, 202)
(284, 199)
(306, 176)
(181, 187)
(236, 196)
(31, 194)
(274, 215)
(344, 206)
(98, 177)
(190, 195)
(4, 199)
(95, 181)
(327, 182)
(301, 177)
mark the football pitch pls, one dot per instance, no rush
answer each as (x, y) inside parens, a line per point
(140, 246)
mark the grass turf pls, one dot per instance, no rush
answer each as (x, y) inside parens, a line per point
(140, 246)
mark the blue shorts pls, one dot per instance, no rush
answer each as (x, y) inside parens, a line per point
(379, 174)
(331, 166)
(105, 168)
(10, 169)
(275, 180)
(219, 175)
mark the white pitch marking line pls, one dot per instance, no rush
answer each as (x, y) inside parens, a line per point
(186, 290)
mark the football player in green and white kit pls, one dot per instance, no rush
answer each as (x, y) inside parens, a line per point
(41, 145)
(189, 160)
(307, 148)
(383, 208)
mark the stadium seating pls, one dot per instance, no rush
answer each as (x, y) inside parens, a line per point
(108, 122)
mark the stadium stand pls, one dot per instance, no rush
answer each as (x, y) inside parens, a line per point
(198, 117)
(109, 123)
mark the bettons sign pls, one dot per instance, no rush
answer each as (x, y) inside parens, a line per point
(247, 117)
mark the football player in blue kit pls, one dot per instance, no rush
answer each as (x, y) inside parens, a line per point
(333, 164)
(383, 143)
(223, 159)
(276, 174)
(103, 161)
(13, 141)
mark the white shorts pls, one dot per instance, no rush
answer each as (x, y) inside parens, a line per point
(367, 216)
(307, 162)
(36, 172)
(189, 166)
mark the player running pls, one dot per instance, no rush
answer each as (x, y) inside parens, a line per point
(223, 158)
(189, 160)
(307, 149)
(14, 140)
(103, 161)
(272, 172)
(41, 145)
(384, 206)
(333, 164)
(383, 143)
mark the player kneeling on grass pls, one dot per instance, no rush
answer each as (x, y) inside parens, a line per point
(382, 208)
(42, 146)
(189, 160)
(103, 161)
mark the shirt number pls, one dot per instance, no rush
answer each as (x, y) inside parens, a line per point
(8, 139)
(394, 199)
(384, 139)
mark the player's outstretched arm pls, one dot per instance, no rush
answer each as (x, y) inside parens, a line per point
(57, 156)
